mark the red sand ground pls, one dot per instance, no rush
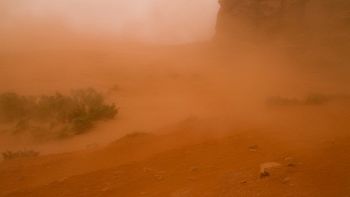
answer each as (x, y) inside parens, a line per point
(203, 125)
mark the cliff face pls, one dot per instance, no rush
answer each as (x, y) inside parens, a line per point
(284, 18)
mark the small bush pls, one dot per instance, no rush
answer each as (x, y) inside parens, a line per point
(14, 107)
(318, 99)
(10, 155)
(60, 115)
(280, 101)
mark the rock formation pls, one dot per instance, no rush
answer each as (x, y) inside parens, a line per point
(284, 18)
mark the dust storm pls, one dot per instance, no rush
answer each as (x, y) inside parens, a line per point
(174, 98)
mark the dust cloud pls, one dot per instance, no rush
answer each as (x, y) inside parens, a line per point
(177, 83)
(137, 20)
(94, 44)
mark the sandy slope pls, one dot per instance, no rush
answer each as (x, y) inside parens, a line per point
(191, 161)
(226, 166)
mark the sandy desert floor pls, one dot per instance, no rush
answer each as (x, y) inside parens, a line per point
(194, 121)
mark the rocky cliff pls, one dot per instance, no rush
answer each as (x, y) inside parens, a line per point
(284, 18)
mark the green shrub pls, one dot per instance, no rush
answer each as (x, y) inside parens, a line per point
(60, 115)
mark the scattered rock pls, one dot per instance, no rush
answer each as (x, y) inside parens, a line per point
(181, 193)
(62, 179)
(20, 178)
(286, 180)
(194, 169)
(147, 170)
(92, 146)
(158, 177)
(253, 148)
(105, 189)
(288, 159)
(117, 173)
(191, 178)
(143, 193)
(291, 165)
(264, 174)
(244, 182)
(265, 167)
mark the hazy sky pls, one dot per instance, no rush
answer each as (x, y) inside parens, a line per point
(147, 20)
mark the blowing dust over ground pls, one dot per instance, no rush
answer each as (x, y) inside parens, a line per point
(204, 109)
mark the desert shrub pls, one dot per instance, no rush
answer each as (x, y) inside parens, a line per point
(318, 99)
(9, 155)
(60, 115)
(310, 100)
(281, 101)
(13, 106)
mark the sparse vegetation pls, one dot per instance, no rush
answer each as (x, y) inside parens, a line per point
(9, 155)
(57, 115)
(314, 99)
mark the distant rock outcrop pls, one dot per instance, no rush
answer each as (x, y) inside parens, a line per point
(284, 18)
